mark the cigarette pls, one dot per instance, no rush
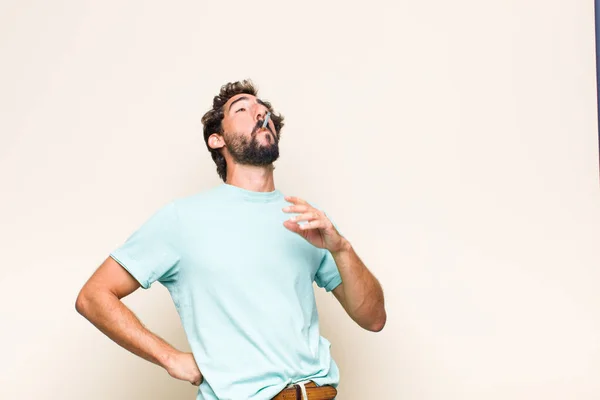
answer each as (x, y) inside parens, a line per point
(266, 119)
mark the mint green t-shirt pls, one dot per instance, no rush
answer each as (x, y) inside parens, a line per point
(243, 287)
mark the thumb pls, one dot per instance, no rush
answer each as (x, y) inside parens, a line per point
(294, 227)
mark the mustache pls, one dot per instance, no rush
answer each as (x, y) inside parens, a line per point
(259, 125)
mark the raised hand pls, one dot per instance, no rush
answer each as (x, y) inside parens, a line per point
(318, 229)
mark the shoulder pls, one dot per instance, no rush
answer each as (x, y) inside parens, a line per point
(201, 201)
(202, 196)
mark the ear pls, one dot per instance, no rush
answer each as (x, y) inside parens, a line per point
(215, 141)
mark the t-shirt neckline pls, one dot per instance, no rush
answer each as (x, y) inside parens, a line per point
(251, 195)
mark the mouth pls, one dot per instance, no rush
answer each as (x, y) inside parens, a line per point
(269, 136)
(266, 132)
(260, 129)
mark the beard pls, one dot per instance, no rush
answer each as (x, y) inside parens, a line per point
(250, 151)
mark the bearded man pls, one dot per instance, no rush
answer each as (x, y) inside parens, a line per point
(239, 261)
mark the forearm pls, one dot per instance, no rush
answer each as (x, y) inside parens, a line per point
(363, 295)
(106, 311)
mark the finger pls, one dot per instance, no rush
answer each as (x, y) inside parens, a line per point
(308, 216)
(314, 224)
(296, 200)
(297, 208)
(292, 226)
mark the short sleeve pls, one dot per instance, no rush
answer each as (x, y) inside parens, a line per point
(151, 252)
(328, 276)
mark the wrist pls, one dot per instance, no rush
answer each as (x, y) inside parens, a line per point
(167, 358)
(343, 248)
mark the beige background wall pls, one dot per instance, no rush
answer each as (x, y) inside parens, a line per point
(454, 142)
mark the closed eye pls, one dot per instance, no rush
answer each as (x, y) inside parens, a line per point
(241, 109)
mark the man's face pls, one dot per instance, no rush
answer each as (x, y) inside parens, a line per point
(245, 138)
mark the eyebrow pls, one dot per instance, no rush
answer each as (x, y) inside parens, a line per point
(259, 101)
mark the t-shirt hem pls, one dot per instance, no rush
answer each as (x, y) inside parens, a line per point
(332, 284)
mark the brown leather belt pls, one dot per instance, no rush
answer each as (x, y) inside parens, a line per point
(313, 392)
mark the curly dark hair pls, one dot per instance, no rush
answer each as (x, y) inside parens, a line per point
(212, 119)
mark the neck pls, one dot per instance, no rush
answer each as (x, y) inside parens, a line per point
(257, 179)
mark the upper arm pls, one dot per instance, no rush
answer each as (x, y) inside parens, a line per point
(152, 252)
(111, 277)
(338, 292)
(327, 275)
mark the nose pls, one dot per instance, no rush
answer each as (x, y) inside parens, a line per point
(260, 112)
